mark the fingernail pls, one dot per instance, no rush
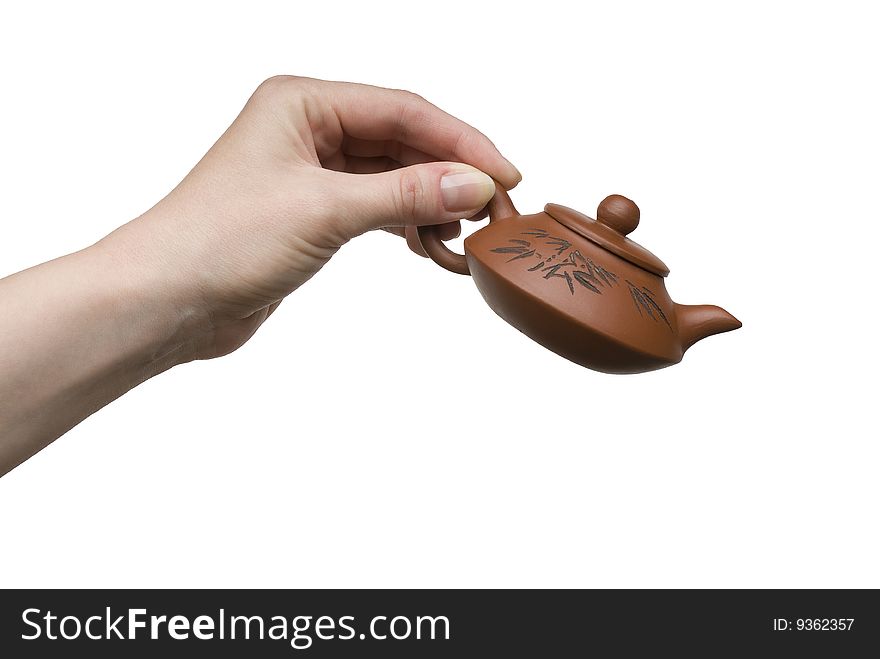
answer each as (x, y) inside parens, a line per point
(466, 190)
(518, 173)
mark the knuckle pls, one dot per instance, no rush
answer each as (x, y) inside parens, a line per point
(275, 82)
(462, 142)
(277, 87)
(409, 97)
(410, 102)
(412, 113)
(415, 99)
(411, 196)
(470, 140)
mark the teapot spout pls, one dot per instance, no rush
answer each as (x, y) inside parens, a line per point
(697, 321)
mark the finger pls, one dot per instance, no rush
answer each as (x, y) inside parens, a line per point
(402, 153)
(430, 193)
(481, 215)
(373, 165)
(397, 231)
(411, 233)
(374, 113)
(272, 308)
(357, 165)
(450, 230)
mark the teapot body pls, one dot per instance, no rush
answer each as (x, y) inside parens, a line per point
(579, 286)
(574, 297)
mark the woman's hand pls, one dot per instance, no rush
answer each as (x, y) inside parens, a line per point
(306, 166)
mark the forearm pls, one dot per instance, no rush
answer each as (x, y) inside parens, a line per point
(75, 334)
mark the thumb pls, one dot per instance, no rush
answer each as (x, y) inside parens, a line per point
(430, 193)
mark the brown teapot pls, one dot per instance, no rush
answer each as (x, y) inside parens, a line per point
(579, 286)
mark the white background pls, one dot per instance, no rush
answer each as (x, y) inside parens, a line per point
(385, 428)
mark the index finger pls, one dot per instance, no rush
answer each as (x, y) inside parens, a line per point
(376, 113)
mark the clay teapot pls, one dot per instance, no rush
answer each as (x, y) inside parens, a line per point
(579, 286)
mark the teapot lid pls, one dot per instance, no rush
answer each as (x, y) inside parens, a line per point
(615, 218)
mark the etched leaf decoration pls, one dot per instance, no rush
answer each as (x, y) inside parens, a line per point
(573, 267)
(636, 300)
(510, 250)
(522, 256)
(644, 299)
(584, 280)
(558, 244)
(649, 296)
(643, 303)
(552, 271)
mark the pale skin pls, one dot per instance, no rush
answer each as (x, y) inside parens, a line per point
(307, 166)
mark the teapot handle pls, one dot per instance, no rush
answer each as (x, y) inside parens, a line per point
(499, 206)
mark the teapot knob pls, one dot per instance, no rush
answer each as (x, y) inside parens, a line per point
(619, 213)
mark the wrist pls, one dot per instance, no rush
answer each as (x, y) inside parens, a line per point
(166, 318)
